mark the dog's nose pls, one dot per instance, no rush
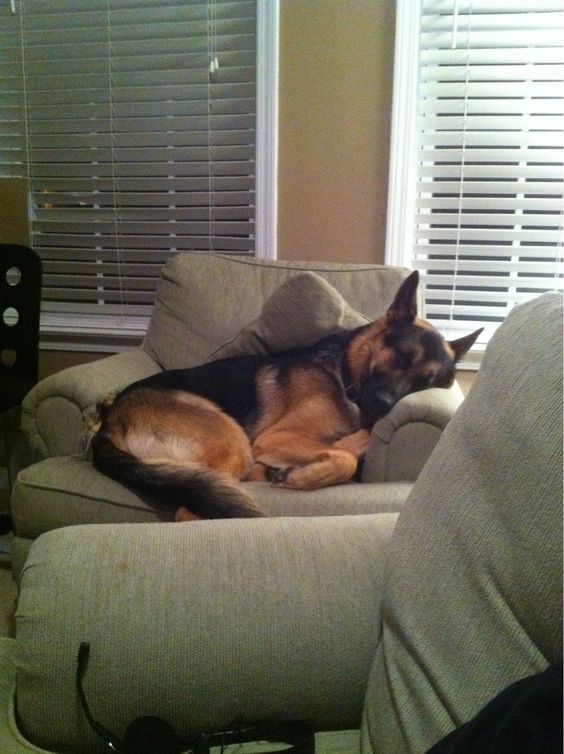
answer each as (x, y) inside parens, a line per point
(376, 402)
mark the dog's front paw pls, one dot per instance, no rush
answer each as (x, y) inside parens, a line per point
(277, 476)
(295, 477)
(331, 466)
(257, 473)
(356, 443)
(262, 472)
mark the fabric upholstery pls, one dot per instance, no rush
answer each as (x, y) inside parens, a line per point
(12, 741)
(415, 422)
(68, 491)
(204, 300)
(473, 582)
(201, 624)
(53, 412)
(300, 311)
(205, 622)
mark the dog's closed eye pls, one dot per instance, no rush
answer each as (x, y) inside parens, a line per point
(404, 358)
(434, 377)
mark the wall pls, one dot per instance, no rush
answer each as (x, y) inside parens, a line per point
(336, 61)
(53, 361)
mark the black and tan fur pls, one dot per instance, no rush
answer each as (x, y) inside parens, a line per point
(182, 439)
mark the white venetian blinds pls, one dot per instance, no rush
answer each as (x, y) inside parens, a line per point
(488, 152)
(134, 121)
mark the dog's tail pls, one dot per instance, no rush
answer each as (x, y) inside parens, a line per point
(203, 491)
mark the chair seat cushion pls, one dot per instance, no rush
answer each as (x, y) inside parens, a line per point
(67, 491)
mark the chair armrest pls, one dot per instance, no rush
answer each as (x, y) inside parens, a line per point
(201, 623)
(403, 440)
(54, 410)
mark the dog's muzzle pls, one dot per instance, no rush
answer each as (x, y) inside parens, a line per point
(377, 397)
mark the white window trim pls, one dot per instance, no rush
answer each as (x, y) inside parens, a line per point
(268, 22)
(401, 186)
(400, 222)
(403, 170)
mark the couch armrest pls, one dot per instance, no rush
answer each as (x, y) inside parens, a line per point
(201, 624)
(54, 410)
(403, 440)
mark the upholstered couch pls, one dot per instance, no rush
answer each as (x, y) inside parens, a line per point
(208, 307)
(385, 636)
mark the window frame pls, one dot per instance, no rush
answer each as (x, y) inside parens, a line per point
(402, 196)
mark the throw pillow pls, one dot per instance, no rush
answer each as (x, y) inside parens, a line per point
(301, 311)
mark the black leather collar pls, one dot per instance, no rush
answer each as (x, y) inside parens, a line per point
(351, 392)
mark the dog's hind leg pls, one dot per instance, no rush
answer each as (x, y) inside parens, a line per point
(329, 467)
(303, 463)
(184, 515)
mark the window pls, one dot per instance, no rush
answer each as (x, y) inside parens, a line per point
(136, 122)
(477, 168)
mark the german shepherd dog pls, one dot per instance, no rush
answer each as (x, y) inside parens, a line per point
(182, 439)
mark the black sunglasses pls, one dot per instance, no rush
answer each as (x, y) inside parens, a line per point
(152, 735)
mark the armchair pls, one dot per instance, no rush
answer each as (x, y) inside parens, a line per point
(385, 638)
(208, 307)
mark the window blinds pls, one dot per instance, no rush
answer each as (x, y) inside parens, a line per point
(134, 121)
(488, 157)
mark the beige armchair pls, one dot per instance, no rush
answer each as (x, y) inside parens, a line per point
(207, 307)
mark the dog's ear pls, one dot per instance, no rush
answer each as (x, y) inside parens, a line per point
(403, 309)
(461, 345)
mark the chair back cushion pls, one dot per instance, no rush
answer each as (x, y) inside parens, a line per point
(205, 300)
(473, 584)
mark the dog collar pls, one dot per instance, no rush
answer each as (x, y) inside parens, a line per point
(352, 393)
(346, 379)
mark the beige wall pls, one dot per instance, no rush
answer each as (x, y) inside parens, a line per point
(53, 361)
(336, 61)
